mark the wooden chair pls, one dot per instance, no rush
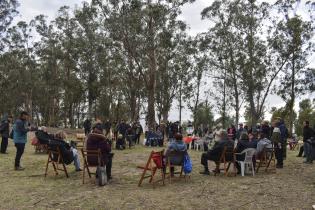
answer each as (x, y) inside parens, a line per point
(154, 163)
(55, 159)
(41, 148)
(227, 158)
(267, 159)
(86, 166)
(180, 155)
(80, 141)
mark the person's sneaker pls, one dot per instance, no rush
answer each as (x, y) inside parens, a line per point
(77, 170)
(307, 162)
(205, 172)
(279, 166)
(19, 168)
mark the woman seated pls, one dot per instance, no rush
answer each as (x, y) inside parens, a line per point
(68, 152)
(215, 153)
(96, 140)
(242, 144)
(178, 146)
(262, 144)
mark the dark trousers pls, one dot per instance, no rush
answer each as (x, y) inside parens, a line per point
(138, 138)
(301, 151)
(87, 131)
(19, 152)
(4, 144)
(279, 155)
(109, 167)
(205, 146)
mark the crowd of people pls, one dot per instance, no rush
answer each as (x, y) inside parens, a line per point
(101, 135)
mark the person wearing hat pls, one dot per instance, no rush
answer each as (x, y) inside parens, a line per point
(20, 129)
(5, 131)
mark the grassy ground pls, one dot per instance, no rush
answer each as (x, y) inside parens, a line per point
(290, 188)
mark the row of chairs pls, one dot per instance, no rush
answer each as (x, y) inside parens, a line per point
(55, 159)
(265, 160)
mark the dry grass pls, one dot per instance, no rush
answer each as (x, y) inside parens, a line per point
(290, 188)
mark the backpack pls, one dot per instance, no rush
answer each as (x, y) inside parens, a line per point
(101, 177)
(187, 164)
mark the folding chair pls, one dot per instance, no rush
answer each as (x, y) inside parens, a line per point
(86, 165)
(55, 158)
(80, 141)
(227, 158)
(154, 163)
(266, 159)
(41, 148)
(180, 155)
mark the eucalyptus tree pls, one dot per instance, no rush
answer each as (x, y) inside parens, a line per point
(73, 90)
(20, 67)
(8, 10)
(138, 26)
(294, 42)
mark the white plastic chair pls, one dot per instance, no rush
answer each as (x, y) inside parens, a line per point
(248, 161)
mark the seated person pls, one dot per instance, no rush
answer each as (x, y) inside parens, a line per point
(96, 140)
(43, 136)
(242, 144)
(262, 144)
(252, 140)
(177, 145)
(215, 153)
(68, 152)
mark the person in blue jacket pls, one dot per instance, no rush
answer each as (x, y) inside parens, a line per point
(20, 129)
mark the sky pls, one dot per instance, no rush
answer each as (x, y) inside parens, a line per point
(190, 14)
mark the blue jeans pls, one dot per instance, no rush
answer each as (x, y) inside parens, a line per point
(308, 152)
(76, 159)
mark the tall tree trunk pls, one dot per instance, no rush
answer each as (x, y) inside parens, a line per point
(292, 101)
(180, 103)
(151, 80)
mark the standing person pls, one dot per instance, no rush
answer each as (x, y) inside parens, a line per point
(284, 136)
(107, 126)
(20, 129)
(232, 132)
(239, 131)
(5, 131)
(308, 134)
(87, 124)
(265, 129)
(277, 141)
(139, 131)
